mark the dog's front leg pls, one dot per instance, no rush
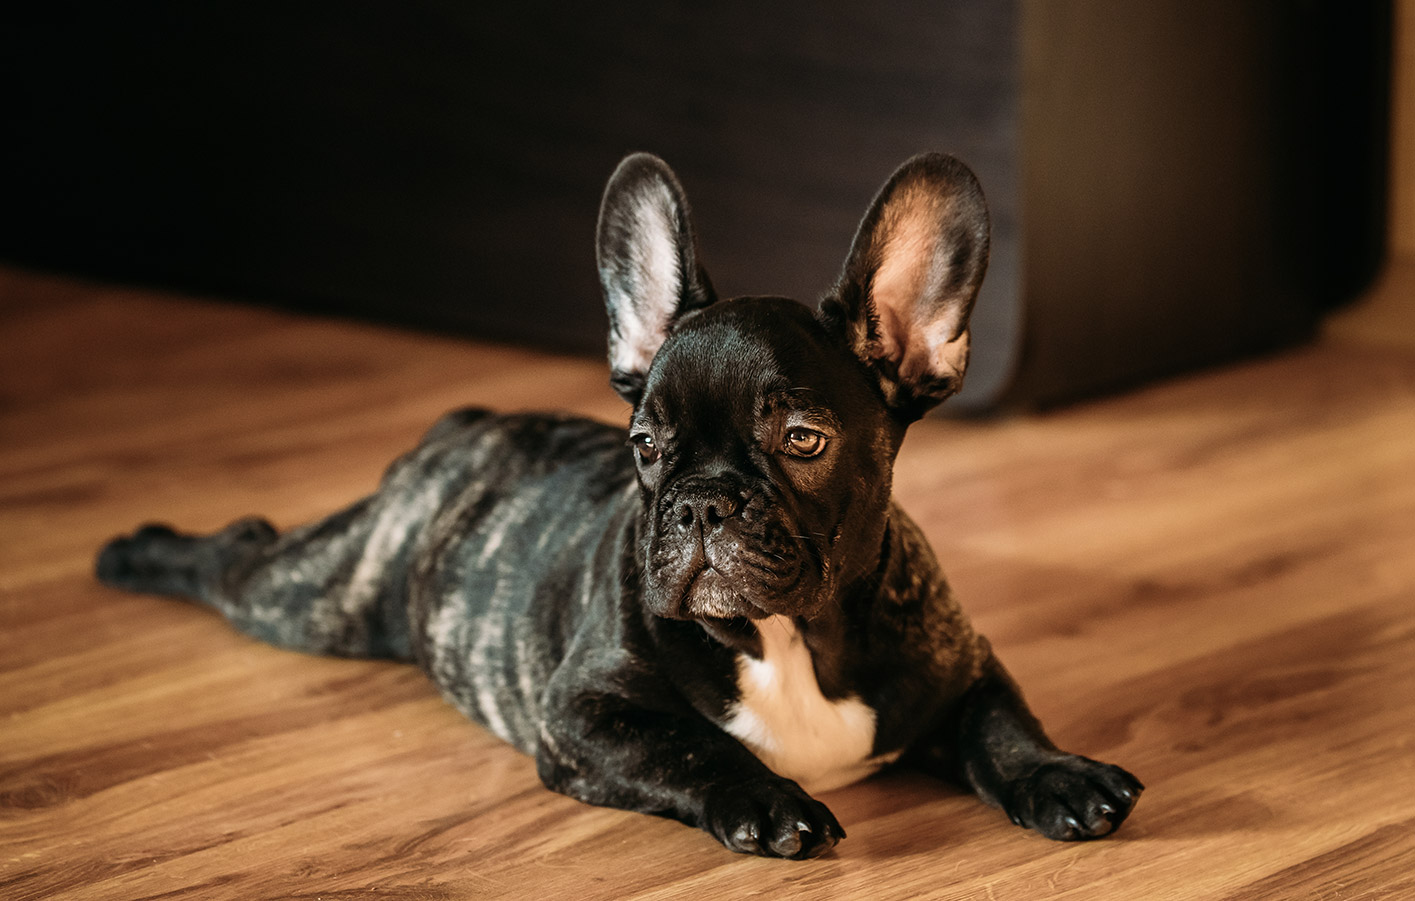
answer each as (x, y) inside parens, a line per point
(615, 734)
(994, 744)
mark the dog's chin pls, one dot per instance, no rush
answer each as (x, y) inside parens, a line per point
(709, 595)
(712, 595)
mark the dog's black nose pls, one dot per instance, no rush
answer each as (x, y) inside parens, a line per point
(707, 511)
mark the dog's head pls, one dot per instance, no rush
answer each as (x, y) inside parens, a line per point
(765, 433)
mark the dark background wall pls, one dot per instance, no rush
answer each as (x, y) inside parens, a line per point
(1149, 166)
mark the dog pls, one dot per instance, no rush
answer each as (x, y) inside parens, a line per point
(720, 611)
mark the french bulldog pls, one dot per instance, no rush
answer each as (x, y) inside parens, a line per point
(719, 611)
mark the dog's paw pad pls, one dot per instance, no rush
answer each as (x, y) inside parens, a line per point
(1073, 798)
(773, 818)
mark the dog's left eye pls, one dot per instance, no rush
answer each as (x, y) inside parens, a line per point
(646, 449)
(804, 442)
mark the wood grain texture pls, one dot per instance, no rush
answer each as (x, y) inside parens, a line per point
(1209, 582)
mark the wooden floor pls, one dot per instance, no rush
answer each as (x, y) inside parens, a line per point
(1211, 582)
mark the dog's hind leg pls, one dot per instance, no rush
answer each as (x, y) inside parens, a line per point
(304, 590)
(338, 586)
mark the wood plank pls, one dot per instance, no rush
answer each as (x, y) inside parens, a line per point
(1208, 581)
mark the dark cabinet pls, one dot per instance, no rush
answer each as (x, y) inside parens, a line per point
(1172, 183)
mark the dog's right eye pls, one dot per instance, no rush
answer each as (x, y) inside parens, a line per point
(805, 443)
(646, 449)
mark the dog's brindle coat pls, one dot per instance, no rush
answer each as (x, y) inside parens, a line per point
(728, 606)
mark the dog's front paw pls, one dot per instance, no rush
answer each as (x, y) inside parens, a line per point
(1073, 798)
(773, 818)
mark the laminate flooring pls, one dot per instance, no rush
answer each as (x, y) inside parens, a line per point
(1210, 581)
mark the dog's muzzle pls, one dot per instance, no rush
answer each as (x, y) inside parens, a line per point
(722, 552)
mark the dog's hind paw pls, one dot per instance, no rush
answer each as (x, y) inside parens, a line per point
(1073, 798)
(158, 560)
(138, 561)
(773, 818)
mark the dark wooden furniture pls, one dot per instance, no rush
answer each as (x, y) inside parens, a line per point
(1173, 183)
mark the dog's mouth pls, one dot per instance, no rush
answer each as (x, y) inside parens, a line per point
(752, 566)
(722, 584)
(711, 595)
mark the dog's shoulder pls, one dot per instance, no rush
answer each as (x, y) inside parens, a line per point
(916, 602)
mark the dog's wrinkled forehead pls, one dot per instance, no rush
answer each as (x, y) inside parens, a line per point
(721, 362)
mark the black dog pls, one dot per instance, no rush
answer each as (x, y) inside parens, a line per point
(722, 613)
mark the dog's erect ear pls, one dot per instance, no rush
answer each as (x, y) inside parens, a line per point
(648, 266)
(903, 298)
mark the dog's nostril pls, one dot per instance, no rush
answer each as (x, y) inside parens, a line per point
(719, 509)
(709, 512)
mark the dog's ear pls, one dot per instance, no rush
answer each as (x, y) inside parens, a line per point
(903, 299)
(648, 266)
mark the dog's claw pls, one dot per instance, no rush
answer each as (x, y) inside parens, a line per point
(773, 818)
(1072, 799)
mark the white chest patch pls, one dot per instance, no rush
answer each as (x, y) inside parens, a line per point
(786, 721)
